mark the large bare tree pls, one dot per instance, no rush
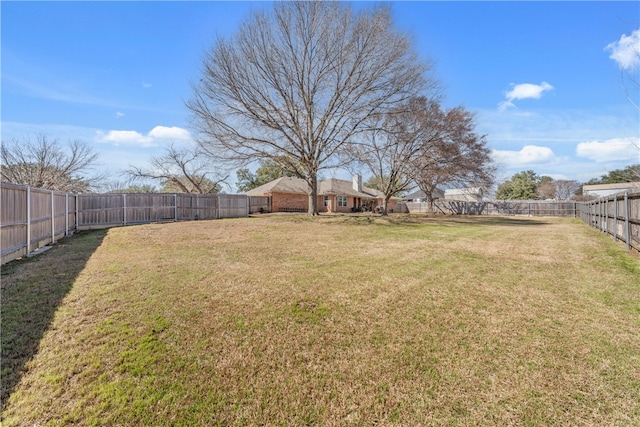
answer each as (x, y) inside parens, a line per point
(395, 142)
(181, 170)
(457, 156)
(561, 189)
(298, 82)
(45, 163)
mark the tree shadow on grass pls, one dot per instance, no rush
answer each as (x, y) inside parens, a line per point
(32, 290)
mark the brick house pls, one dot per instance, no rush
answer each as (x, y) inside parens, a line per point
(334, 195)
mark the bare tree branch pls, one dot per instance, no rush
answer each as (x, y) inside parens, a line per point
(182, 170)
(560, 189)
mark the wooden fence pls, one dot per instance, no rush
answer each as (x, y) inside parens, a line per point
(617, 215)
(31, 218)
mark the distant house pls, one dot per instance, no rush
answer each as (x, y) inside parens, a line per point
(471, 194)
(601, 190)
(419, 196)
(334, 195)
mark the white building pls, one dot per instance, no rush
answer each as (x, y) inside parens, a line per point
(470, 194)
(602, 190)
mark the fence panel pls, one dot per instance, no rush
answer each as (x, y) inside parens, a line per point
(233, 206)
(100, 210)
(144, 208)
(13, 221)
(260, 204)
(197, 206)
(41, 218)
(60, 215)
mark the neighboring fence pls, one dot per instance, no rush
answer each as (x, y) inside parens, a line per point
(31, 218)
(617, 215)
(508, 207)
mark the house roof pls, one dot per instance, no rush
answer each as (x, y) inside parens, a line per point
(345, 188)
(281, 185)
(325, 187)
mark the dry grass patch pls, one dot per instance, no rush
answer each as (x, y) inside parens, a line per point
(342, 320)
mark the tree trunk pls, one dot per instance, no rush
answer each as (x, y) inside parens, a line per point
(384, 208)
(430, 201)
(313, 195)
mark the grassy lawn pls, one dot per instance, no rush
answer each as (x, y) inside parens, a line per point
(333, 321)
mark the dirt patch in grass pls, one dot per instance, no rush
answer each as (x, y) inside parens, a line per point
(343, 320)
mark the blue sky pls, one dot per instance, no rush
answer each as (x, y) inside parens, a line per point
(539, 75)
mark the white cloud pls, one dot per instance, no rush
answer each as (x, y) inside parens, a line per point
(164, 132)
(119, 114)
(626, 51)
(151, 139)
(523, 91)
(610, 150)
(146, 85)
(528, 155)
(125, 137)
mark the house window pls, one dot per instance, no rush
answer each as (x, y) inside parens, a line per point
(326, 201)
(342, 201)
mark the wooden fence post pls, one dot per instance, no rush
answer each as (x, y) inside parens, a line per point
(175, 206)
(53, 220)
(606, 216)
(66, 214)
(615, 217)
(28, 220)
(627, 229)
(600, 214)
(77, 211)
(124, 208)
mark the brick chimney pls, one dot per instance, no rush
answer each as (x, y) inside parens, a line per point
(357, 183)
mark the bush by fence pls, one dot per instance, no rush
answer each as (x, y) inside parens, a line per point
(31, 218)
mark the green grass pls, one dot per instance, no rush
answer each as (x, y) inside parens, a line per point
(347, 320)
